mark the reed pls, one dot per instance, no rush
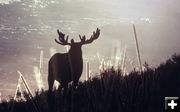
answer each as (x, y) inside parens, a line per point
(137, 48)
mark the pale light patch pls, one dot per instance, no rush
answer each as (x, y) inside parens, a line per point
(8, 1)
(109, 64)
(56, 85)
(41, 61)
(67, 48)
(102, 65)
(146, 20)
(87, 70)
(132, 64)
(123, 68)
(98, 56)
(38, 78)
(117, 55)
(36, 1)
(52, 51)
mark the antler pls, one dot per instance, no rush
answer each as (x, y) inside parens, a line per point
(93, 37)
(62, 39)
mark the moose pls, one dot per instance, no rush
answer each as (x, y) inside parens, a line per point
(67, 67)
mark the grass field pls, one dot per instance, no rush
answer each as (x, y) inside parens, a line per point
(109, 92)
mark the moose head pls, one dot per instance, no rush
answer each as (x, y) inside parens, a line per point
(67, 67)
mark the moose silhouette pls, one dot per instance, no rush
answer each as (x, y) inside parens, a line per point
(67, 67)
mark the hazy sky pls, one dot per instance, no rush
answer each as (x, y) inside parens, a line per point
(29, 26)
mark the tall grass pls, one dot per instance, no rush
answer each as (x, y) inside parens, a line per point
(111, 92)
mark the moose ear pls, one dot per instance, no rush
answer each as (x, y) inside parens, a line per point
(72, 41)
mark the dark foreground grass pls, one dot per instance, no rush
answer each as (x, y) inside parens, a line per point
(110, 92)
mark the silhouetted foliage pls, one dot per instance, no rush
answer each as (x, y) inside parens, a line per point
(111, 92)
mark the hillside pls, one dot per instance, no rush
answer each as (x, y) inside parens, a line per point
(110, 92)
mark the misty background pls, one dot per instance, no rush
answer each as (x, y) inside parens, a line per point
(29, 26)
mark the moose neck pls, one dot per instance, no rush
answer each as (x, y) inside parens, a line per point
(76, 54)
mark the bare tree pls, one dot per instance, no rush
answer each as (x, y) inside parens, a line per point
(67, 67)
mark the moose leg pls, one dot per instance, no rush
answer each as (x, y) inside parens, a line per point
(50, 79)
(50, 83)
(64, 85)
(50, 93)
